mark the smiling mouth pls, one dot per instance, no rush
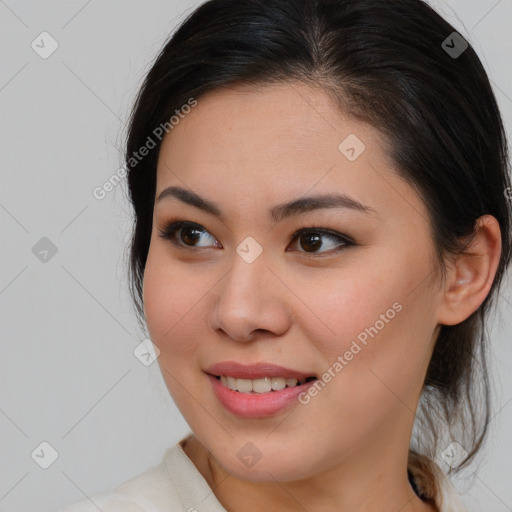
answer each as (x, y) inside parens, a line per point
(263, 385)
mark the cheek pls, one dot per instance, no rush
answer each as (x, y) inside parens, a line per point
(173, 303)
(345, 305)
(173, 306)
(377, 332)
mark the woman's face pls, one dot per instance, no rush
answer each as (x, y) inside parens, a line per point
(239, 287)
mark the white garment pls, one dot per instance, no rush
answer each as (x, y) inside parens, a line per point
(176, 485)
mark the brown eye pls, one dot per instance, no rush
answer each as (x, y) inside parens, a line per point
(186, 235)
(189, 235)
(312, 239)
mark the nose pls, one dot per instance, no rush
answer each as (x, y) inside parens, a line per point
(250, 302)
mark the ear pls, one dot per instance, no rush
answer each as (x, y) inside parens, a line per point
(471, 274)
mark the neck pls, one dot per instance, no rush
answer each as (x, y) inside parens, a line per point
(359, 484)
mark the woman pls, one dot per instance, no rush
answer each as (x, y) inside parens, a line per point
(320, 228)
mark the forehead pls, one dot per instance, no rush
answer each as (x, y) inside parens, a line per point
(275, 117)
(248, 145)
(272, 129)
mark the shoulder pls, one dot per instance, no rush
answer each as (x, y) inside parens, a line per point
(147, 491)
(159, 489)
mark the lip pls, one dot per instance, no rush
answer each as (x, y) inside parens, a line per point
(255, 371)
(257, 405)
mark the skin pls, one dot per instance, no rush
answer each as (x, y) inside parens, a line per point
(298, 306)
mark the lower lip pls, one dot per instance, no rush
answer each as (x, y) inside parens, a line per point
(257, 405)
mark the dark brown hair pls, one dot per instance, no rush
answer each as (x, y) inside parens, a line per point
(385, 63)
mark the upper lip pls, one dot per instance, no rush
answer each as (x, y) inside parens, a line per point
(255, 371)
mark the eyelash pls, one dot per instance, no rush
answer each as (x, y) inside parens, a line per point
(171, 228)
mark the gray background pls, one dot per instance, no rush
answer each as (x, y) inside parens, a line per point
(68, 374)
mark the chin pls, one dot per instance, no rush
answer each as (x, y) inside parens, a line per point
(272, 468)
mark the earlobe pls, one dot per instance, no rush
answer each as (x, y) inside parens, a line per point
(471, 273)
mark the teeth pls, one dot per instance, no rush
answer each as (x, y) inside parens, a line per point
(244, 385)
(263, 385)
(278, 383)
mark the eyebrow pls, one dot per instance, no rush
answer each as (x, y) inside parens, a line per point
(278, 212)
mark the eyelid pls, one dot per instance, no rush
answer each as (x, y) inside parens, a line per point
(326, 231)
(173, 226)
(345, 241)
